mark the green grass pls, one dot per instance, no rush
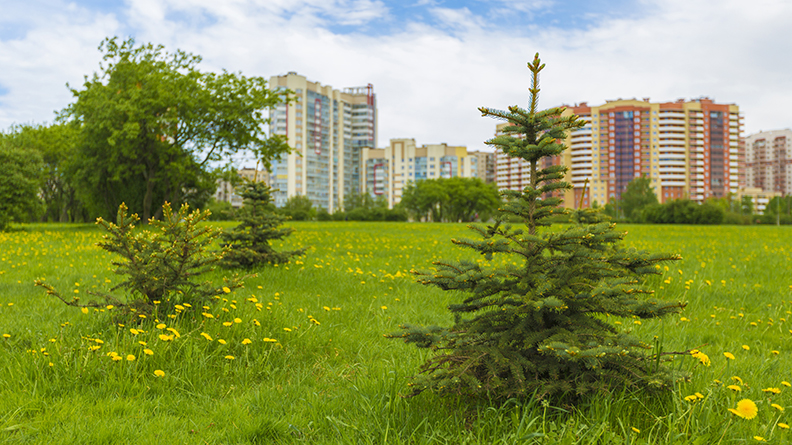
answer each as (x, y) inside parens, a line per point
(338, 379)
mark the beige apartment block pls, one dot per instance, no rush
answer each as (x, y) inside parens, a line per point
(328, 129)
(688, 149)
(769, 161)
(759, 197)
(388, 170)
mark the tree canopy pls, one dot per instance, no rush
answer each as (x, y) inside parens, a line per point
(453, 200)
(21, 176)
(639, 194)
(151, 124)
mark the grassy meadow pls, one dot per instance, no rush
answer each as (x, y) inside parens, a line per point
(299, 355)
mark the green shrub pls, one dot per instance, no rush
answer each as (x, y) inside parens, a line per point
(160, 267)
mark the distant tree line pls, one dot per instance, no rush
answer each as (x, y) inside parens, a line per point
(639, 204)
(431, 200)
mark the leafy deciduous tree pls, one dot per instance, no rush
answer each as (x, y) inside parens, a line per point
(454, 199)
(639, 194)
(299, 208)
(21, 176)
(151, 123)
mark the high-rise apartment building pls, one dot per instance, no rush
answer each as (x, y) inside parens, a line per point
(688, 149)
(769, 161)
(388, 170)
(327, 129)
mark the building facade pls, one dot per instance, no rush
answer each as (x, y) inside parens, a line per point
(688, 149)
(769, 161)
(327, 129)
(388, 170)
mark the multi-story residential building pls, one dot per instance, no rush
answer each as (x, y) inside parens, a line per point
(759, 197)
(769, 161)
(486, 165)
(688, 149)
(327, 130)
(388, 170)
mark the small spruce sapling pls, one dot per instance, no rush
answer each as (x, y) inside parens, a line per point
(160, 265)
(541, 322)
(248, 244)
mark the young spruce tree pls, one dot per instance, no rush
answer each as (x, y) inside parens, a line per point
(542, 326)
(248, 244)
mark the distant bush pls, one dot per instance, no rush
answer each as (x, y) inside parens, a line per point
(681, 211)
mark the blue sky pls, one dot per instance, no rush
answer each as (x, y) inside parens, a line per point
(432, 62)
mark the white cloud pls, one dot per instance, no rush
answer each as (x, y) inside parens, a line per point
(430, 80)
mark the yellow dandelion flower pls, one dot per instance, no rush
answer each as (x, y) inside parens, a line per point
(746, 409)
(227, 323)
(237, 320)
(635, 430)
(269, 340)
(772, 390)
(775, 352)
(142, 343)
(746, 347)
(691, 398)
(134, 331)
(148, 351)
(161, 326)
(737, 379)
(226, 290)
(734, 388)
(383, 307)
(759, 438)
(699, 395)
(785, 383)
(229, 357)
(6, 335)
(116, 358)
(777, 406)
(130, 358)
(159, 373)
(174, 332)
(783, 426)
(207, 315)
(702, 357)
(206, 336)
(84, 310)
(221, 341)
(246, 341)
(728, 355)
(287, 329)
(165, 337)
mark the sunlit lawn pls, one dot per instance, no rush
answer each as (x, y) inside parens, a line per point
(299, 355)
